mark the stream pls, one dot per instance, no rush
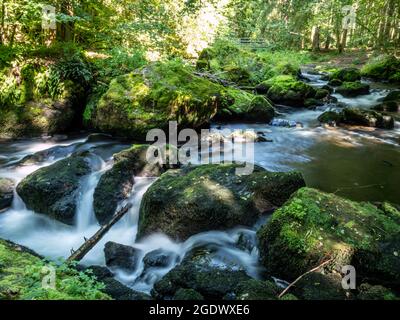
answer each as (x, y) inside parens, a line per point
(360, 164)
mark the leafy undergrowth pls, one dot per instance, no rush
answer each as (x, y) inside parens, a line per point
(22, 273)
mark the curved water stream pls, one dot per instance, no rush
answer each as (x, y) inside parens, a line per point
(359, 164)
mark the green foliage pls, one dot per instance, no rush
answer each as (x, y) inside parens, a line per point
(22, 274)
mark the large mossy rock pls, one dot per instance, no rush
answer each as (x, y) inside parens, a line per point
(150, 97)
(313, 227)
(116, 184)
(198, 274)
(287, 90)
(54, 190)
(353, 89)
(43, 95)
(21, 278)
(185, 202)
(166, 91)
(346, 75)
(6, 193)
(383, 67)
(391, 103)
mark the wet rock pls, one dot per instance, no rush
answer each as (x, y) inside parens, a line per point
(358, 117)
(353, 89)
(314, 225)
(6, 193)
(283, 123)
(187, 294)
(318, 286)
(331, 118)
(116, 184)
(368, 118)
(391, 103)
(375, 292)
(185, 202)
(196, 273)
(322, 94)
(246, 241)
(159, 259)
(121, 257)
(54, 190)
(309, 103)
(114, 288)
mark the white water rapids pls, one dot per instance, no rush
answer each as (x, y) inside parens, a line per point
(304, 148)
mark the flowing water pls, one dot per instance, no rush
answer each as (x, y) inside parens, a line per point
(359, 164)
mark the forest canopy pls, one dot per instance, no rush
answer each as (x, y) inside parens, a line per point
(185, 27)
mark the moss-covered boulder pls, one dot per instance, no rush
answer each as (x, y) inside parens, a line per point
(116, 184)
(150, 97)
(185, 202)
(383, 67)
(242, 106)
(346, 75)
(6, 193)
(287, 90)
(335, 82)
(54, 190)
(368, 118)
(43, 95)
(197, 273)
(167, 91)
(314, 227)
(353, 89)
(21, 278)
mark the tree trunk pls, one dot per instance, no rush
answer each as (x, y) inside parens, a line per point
(2, 26)
(315, 39)
(79, 254)
(343, 41)
(65, 30)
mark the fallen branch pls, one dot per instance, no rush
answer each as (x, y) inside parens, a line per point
(90, 243)
(303, 275)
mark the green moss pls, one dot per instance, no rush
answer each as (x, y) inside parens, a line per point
(346, 75)
(313, 226)
(285, 89)
(21, 274)
(257, 290)
(187, 294)
(383, 67)
(377, 292)
(149, 98)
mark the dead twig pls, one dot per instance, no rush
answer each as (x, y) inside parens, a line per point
(303, 275)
